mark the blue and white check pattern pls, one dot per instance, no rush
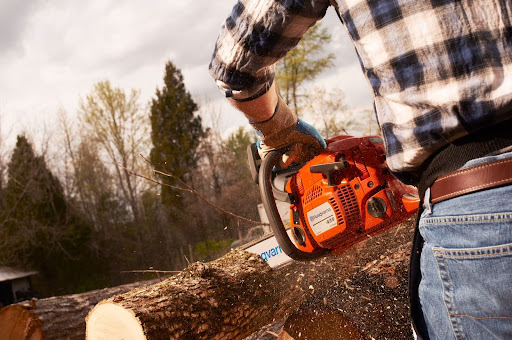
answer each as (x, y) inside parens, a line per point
(439, 69)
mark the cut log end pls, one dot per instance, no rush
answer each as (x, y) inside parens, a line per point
(110, 321)
(17, 322)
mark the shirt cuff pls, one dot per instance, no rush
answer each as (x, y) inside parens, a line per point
(263, 89)
(246, 94)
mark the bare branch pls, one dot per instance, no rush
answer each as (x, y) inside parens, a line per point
(192, 191)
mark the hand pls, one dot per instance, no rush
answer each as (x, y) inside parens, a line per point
(284, 129)
(304, 143)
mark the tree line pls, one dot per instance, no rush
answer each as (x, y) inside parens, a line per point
(120, 195)
(97, 218)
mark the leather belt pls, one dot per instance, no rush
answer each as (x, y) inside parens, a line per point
(471, 179)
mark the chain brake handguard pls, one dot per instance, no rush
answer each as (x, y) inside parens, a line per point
(266, 179)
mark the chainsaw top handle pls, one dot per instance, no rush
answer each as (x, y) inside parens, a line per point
(269, 204)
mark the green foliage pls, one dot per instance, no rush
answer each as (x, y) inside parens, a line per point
(236, 152)
(238, 141)
(240, 194)
(303, 64)
(210, 249)
(115, 126)
(39, 229)
(176, 132)
(31, 188)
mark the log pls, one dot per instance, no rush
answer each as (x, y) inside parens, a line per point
(229, 298)
(60, 317)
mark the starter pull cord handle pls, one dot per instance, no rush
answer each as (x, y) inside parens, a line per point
(269, 204)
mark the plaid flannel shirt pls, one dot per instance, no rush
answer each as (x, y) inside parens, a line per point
(439, 69)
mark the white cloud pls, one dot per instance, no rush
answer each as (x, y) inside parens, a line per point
(14, 20)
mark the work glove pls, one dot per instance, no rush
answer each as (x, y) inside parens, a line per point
(285, 129)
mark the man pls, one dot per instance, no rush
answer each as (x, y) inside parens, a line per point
(441, 75)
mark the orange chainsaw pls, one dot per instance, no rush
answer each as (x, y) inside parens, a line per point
(336, 199)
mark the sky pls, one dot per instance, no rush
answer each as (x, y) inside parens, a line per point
(53, 52)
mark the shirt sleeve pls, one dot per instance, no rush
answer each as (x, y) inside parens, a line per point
(256, 35)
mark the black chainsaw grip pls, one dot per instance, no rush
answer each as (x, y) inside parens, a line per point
(269, 204)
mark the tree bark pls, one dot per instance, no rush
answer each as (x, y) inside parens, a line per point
(229, 298)
(60, 317)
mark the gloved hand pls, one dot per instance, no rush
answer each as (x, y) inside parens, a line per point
(284, 129)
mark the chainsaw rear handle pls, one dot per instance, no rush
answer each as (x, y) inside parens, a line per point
(269, 204)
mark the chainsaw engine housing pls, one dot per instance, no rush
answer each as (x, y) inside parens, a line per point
(345, 194)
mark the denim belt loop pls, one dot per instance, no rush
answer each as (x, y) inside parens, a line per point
(426, 202)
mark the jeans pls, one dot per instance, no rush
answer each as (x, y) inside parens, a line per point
(466, 264)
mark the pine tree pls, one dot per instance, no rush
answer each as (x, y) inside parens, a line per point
(32, 191)
(176, 133)
(39, 229)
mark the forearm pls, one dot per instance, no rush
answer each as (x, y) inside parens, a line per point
(257, 35)
(261, 108)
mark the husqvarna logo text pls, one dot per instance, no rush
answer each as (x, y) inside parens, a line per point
(320, 214)
(266, 255)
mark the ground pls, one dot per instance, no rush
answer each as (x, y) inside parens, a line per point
(365, 287)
